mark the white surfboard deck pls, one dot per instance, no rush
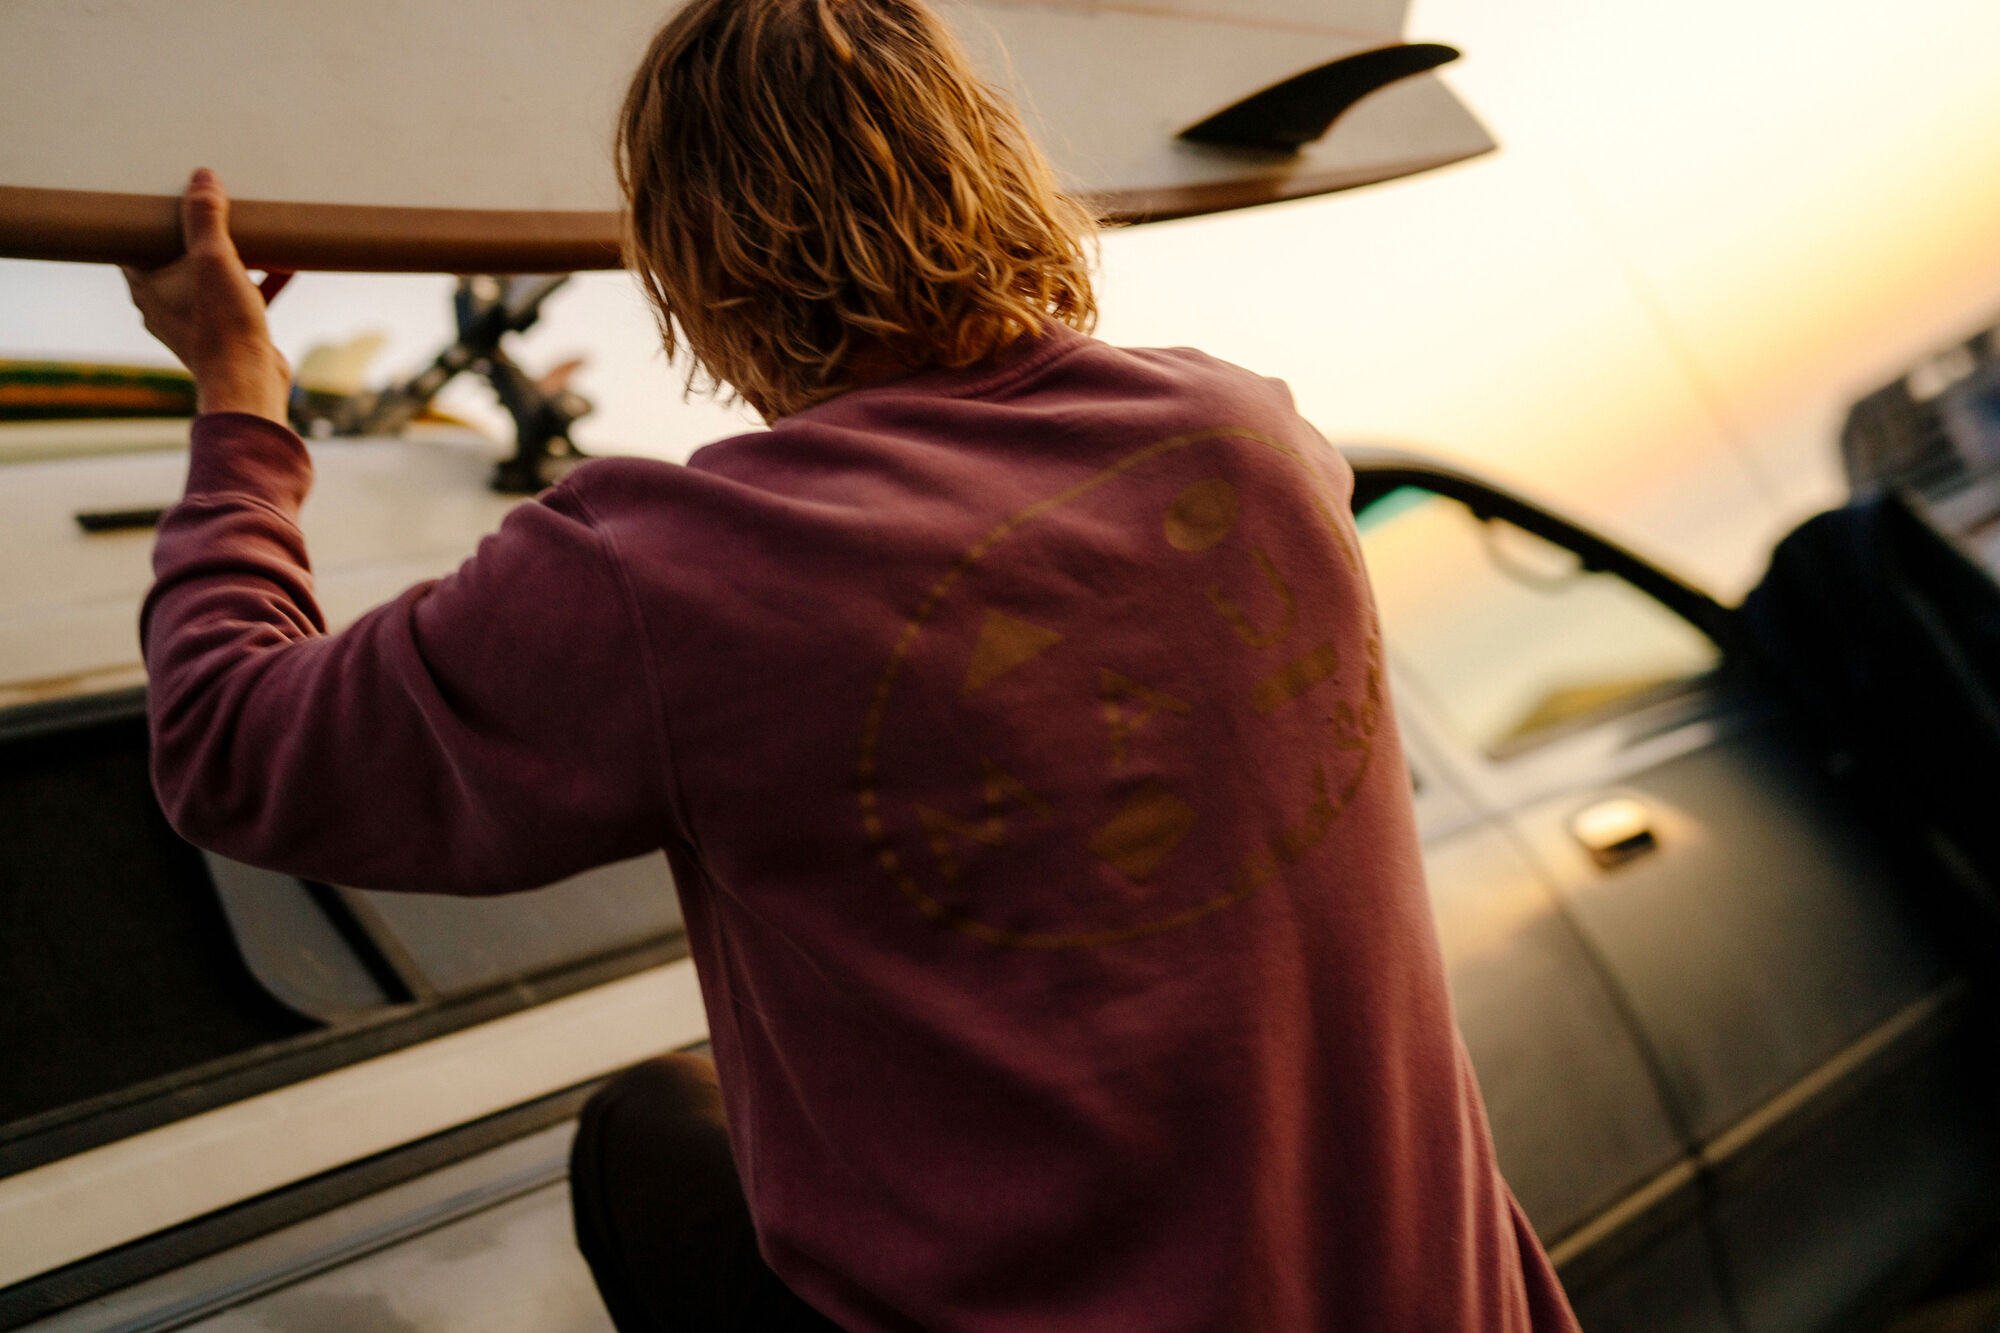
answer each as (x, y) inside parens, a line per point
(420, 135)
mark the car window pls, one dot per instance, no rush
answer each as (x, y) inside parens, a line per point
(1508, 636)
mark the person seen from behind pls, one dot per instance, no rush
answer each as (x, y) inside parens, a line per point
(1011, 711)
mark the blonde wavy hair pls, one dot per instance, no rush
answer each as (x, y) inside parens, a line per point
(823, 192)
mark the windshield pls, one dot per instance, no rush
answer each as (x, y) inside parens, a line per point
(1508, 635)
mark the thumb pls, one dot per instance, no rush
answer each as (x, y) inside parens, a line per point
(205, 216)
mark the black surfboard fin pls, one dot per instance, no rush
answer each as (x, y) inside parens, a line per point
(1293, 113)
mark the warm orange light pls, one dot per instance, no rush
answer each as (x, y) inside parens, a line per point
(1710, 227)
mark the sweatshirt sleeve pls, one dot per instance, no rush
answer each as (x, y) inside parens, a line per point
(491, 731)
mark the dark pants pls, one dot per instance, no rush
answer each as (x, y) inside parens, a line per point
(660, 1215)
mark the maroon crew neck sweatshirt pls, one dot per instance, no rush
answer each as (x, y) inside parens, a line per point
(1020, 741)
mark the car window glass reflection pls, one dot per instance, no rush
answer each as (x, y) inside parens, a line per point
(1506, 634)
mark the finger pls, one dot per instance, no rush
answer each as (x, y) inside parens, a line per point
(139, 288)
(134, 278)
(205, 215)
(272, 284)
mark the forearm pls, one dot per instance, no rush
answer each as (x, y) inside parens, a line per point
(234, 536)
(233, 584)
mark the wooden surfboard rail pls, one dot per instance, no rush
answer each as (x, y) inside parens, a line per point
(93, 226)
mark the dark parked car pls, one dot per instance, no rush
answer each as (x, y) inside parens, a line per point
(1734, 1061)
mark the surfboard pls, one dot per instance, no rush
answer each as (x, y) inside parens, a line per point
(420, 135)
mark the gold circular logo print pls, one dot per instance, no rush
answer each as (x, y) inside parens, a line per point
(1129, 706)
